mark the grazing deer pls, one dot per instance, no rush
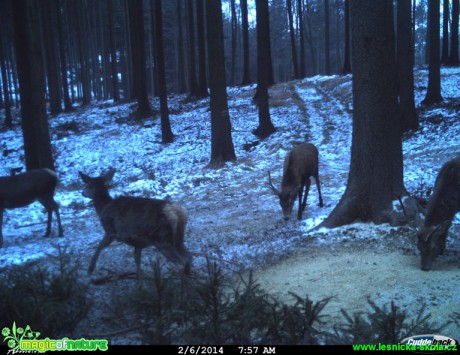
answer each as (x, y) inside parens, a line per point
(443, 204)
(299, 165)
(139, 222)
(23, 189)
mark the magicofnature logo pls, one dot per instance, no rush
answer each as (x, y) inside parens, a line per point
(21, 339)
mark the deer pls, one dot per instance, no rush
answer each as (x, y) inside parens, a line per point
(139, 222)
(21, 190)
(300, 164)
(442, 206)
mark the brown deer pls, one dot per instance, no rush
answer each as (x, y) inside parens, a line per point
(300, 164)
(23, 189)
(443, 204)
(139, 222)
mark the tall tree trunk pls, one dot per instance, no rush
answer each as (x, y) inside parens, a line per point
(376, 169)
(327, 36)
(293, 39)
(113, 52)
(137, 39)
(6, 89)
(37, 146)
(202, 83)
(347, 62)
(51, 61)
(166, 133)
(245, 28)
(302, 39)
(63, 57)
(265, 127)
(222, 149)
(181, 71)
(433, 94)
(234, 27)
(405, 58)
(191, 39)
(445, 32)
(82, 39)
(453, 56)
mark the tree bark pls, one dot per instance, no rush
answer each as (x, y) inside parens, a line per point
(265, 127)
(293, 40)
(327, 36)
(137, 39)
(453, 56)
(193, 86)
(202, 90)
(347, 62)
(376, 170)
(37, 146)
(433, 94)
(405, 58)
(222, 149)
(166, 133)
(244, 14)
(445, 32)
(113, 52)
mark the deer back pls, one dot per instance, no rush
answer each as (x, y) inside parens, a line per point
(299, 165)
(22, 189)
(141, 222)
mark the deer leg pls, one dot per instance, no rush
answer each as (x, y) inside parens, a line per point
(137, 259)
(58, 216)
(319, 191)
(299, 213)
(1, 227)
(307, 189)
(47, 202)
(104, 243)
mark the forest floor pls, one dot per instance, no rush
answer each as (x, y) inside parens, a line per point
(234, 218)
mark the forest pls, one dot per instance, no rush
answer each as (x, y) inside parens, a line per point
(172, 124)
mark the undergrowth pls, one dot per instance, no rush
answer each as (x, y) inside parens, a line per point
(174, 309)
(49, 299)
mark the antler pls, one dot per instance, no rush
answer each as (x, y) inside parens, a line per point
(274, 189)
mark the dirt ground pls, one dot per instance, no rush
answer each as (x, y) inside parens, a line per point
(354, 272)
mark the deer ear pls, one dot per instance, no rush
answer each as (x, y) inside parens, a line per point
(108, 176)
(86, 179)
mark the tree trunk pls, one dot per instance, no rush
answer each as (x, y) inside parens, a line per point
(37, 146)
(137, 39)
(244, 14)
(376, 170)
(181, 72)
(293, 40)
(191, 39)
(302, 39)
(347, 62)
(166, 133)
(265, 127)
(327, 59)
(52, 67)
(222, 149)
(405, 58)
(113, 52)
(6, 90)
(445, 32)
(454, 57)
(202, 83)
(433, 94)
(63, 57)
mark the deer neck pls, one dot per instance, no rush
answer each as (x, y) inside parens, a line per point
(101, 200)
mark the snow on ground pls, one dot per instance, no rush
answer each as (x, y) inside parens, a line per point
(233, 216)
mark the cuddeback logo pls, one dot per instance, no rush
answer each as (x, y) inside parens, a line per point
(21, 339)
(431, 342)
